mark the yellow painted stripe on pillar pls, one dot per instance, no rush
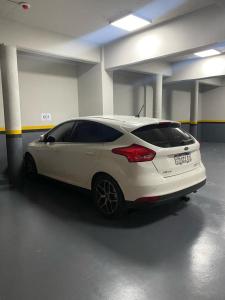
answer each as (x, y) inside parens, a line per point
(13, 132)
(193, 123)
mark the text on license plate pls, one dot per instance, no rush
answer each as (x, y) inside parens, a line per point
(183, 158)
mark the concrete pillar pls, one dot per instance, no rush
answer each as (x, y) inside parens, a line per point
(145, 100)
(95, 89)
(194, 109)
(168, 103)
(11, 102)
(107, 88)
(149, 93)
(157, 107)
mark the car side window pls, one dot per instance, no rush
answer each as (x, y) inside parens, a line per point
(62, 133)
(93, 132)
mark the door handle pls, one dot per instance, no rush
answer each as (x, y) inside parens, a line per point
(89, 153)
(51, 146)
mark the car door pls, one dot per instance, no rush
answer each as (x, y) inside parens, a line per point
(87, 149)
(79, 158)
(49, 153)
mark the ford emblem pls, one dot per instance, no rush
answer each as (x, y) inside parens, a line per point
(186, 148)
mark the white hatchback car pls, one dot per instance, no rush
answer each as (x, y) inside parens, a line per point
(120, 158)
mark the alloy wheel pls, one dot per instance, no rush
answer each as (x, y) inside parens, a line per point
(106, 197)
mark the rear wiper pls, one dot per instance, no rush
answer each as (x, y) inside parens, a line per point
(185, 142)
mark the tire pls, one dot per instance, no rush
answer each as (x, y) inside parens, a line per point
(108, 197)
(30, 166)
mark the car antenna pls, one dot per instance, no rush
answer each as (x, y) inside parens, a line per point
(138, 115)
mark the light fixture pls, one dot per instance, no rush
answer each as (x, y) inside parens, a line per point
(130, 23)
(206, 53)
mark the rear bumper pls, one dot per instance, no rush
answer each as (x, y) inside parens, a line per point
(177, 194)
(152, 184)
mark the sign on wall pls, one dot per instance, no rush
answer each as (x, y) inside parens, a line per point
(46, 117)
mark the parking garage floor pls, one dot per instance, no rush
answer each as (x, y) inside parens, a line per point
(53, 245)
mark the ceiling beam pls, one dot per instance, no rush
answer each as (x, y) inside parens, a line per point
(190, 33)
(44, 42)
(215, 81)
(153, 67)
(198, 69)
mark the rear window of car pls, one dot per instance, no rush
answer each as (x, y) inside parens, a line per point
(93, 132)
(164, 135)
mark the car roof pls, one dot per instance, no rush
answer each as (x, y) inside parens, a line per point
(129, 123)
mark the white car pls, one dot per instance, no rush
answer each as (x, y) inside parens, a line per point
(120, 158)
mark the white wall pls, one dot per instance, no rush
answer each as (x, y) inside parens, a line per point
(129, 97)
(200, 106)
(46, 86)
(213, 104)
(176, 105)
(90, 90)
(129, 94)
(180, 105)
(2, 122)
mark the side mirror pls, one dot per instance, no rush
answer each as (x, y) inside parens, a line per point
(42, 138)
(50, 139)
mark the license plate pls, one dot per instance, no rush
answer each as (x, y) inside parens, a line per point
(183, 158)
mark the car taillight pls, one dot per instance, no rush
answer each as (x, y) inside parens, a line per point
(135, 153)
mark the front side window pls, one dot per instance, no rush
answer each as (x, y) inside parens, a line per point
(93, 132)
(61, 133)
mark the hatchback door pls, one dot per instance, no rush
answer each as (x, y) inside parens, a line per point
(177, 153)
(175, 161)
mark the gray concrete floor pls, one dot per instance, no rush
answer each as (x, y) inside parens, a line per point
(54, 246)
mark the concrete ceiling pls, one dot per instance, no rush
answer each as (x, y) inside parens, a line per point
(70, 17)
(78, 18)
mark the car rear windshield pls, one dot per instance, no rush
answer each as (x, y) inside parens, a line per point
(164, 135)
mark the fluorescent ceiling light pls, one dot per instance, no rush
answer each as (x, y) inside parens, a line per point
(131, 23)
(207, 53)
